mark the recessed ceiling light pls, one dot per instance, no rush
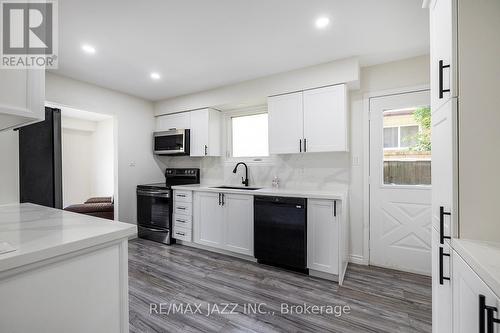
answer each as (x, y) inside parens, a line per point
(322, 22)
(88, 48)
(155, 76)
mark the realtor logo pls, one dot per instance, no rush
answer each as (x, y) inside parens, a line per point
(29, 34)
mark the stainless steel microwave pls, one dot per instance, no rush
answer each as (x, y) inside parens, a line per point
(171, 142)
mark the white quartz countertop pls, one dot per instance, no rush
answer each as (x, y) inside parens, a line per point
(38, 233)
(339, 193)
(483, 258)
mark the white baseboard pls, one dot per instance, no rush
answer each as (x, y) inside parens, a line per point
(357, 259)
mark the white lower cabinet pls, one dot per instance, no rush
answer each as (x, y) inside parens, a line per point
(238, 223)
(441, 286)
(224, 221)
(322, 236)
(467, 291)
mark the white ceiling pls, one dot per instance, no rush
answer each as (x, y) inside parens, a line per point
(201, 44)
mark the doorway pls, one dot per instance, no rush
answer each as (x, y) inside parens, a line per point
(400, 182)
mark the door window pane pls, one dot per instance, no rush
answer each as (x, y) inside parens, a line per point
(407, 147)
(249, 135)
(390, 137)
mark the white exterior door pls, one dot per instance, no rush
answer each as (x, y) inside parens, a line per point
(400, 192)
(286, 124)
(238, 223)
(325, 119)
(208, 219)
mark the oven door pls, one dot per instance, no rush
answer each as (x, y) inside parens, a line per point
(153, 209)
(173, 142)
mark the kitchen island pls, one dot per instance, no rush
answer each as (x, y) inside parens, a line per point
(67, 272)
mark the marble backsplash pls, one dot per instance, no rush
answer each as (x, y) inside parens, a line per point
(313, 171)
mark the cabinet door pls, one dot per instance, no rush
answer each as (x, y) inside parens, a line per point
(173, 121)
(199, 133)
(238, 223)
(443, 35)
(467, 286)
(444, 167)
(285, 124)
(325, 119)
(322, 236)
(205, 133)
(441, 293)
(208, 219)
(22, 97)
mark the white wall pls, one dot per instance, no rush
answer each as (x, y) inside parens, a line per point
(76, 165)
(255, 91)
(9, 167)
(88, 159)
(103, 160)
(134, 123)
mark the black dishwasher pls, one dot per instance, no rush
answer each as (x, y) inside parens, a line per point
(280, 231)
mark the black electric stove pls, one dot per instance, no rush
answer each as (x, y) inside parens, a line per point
(155, 202)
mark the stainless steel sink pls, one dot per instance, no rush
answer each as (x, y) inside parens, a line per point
(238, 188)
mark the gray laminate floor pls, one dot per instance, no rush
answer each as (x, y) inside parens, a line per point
(163, 278)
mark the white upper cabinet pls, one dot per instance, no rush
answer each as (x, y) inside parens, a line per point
(286, 129)
(173, 121)
(205, 133)
(22, 97)
(325, 119)
(315, 120)
(443, 51)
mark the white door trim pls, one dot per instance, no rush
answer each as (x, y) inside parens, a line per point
(366, 159)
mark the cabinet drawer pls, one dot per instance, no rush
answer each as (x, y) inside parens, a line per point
(183, 196)
(182, 234)
(183, 208)
(183, 221)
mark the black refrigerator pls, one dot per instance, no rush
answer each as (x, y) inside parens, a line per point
(40, 161)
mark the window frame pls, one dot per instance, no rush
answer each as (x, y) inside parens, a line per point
(399, 147)
(228, 142)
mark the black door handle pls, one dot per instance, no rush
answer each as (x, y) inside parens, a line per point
(219, 199)
(441, 273)
(223, 199)
(305, 145)
(490, 316)
(441, 68)
(300, 145)
(206, 150)
(442, 213)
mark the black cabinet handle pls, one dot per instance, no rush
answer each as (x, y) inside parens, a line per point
(441, 69)
(305, 145)
(206, 150)
(441, 274)
(223, 199)
(490, 316)
(220, 199)
(442, 213)
(300, 145)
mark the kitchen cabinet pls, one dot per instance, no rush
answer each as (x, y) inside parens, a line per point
(325, 119)
(173, 121)
(183, 215)
(322, 236)
(205, 133)
(441, 285)
(443, 56)
(208, 219)
(22, 97)
(224, 221)
(467, 289)
(285, 128)
(238, 223)
(314, 120)
(445, 169)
